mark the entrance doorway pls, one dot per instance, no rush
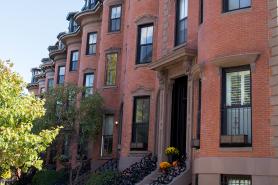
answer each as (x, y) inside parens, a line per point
(179, 114)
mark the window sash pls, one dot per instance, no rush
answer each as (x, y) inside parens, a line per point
(61, 74)
(107, 135)
(74, 60)
(231, 5)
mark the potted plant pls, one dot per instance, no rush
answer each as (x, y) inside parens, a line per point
(172, 153)
(164, 166)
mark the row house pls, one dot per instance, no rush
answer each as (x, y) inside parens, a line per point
(194, 74)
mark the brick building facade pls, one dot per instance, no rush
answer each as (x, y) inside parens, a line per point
(198, 75)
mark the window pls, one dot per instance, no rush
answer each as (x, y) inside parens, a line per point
(50, 83)
(82, 147)
(42, 90)
(65, 148)
(107, 135)
(201, 11)
(145, 44)
(115, 18)
(231, 5)
(181, 22)
(236, 180)
(91, 44)
(140, 126)
(61, 75)
(236, 107)
(198, 135)
(74, 60)
(89, 83)
(111, 69)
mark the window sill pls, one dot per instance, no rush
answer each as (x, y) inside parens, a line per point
(179, 46)
(73, 71)
(109, 87)
(242, 10)
(235, 149)
(141, 65)
(114, 32)
(90, 55)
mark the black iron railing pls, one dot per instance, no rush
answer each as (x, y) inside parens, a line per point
(110, 165)
(84, 175)
(236, 125)
(135, 173)
(169, 175)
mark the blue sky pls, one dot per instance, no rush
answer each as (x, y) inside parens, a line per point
(28, 27)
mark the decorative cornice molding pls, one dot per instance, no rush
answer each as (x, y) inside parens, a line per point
(148, 18)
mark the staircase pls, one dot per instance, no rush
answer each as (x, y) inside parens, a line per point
(179, 175)
(110, 165)
(130, 176)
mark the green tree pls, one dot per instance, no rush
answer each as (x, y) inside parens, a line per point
(20, 148)
(80, 116)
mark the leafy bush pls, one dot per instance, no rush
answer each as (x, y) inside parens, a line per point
(102, 178)
(50, 177)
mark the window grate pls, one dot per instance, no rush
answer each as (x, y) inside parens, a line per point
(236, 180)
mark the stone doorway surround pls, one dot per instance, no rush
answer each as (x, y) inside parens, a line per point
(170, 67)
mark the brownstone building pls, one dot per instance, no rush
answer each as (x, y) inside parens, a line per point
(200, 75)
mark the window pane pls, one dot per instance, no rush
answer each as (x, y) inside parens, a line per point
(92, 38)
(150, 35)
(117, 24)
(92, 49)
(183, 9)
(108, 125)
(144, 35)
(116, 12)
(50, 83)
(238, 88)
(75, 56)
(62, 70)
(245, 3)
(74, 65)
(233, 4)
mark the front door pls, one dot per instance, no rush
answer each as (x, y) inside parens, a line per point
(179, 114)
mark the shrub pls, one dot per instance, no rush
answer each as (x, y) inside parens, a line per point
(50, 177)
(102, 178)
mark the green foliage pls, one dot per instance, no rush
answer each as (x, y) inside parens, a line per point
(102, 178)
(49, 177)
(60, 105)
(91, 115)
(19, 146)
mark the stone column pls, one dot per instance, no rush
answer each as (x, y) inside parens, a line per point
(161, 116)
